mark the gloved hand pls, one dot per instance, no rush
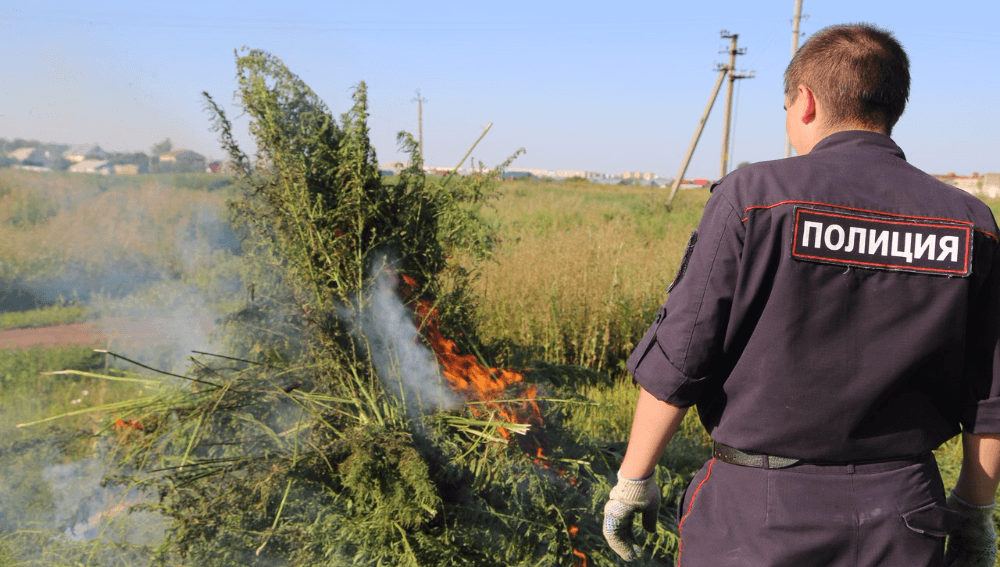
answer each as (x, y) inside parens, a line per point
(973, 543)
(628, 497)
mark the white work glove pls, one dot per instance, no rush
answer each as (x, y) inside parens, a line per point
(973, 543)
(629, 497)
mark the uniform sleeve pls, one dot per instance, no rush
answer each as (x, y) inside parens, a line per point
(981, 410)
(674, 359)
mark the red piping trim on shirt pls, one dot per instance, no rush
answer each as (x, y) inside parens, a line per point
(987, 233)
(680, 526)
(794, 202)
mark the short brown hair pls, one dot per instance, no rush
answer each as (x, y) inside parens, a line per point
(859, 72)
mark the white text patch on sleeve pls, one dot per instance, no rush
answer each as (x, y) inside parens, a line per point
(905, 244)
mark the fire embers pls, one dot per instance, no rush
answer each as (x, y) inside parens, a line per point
(491, 393)
(129, 431)
(579, 557)
(125, 424)
(471, 379)
(476, 382)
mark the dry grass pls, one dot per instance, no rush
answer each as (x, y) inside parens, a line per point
(73, 237)
(66, 216)
(582, 267)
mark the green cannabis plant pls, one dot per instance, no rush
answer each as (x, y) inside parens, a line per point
(306, 443)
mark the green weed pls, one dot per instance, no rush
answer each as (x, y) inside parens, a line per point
(30, 210)
(27, 392)
(44, 316)
(581, 270)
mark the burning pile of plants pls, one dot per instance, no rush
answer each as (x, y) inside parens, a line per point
(356, 418)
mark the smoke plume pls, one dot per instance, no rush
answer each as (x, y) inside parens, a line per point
(385, 327)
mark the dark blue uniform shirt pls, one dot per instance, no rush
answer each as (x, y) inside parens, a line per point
(840, 306)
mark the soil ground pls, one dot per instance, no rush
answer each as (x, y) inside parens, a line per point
(102, 332)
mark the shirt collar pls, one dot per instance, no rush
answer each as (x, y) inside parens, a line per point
(847, 139)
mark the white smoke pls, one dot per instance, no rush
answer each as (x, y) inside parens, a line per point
(57, 512)
(155, 274)
(85, 509)
(385, 326)
(163, 321)
(160, 326)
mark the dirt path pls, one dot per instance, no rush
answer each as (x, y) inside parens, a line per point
(79, 334)
(105, 331)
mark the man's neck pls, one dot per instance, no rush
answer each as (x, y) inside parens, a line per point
(820, 134)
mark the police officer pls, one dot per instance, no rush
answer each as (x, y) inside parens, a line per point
(834, 320)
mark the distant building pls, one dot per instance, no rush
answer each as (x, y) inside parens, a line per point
(102, 167)
(694, 183)
(639, 175)
(182, 161)
(81, 152)
(990, 185)
(221, 167)
(966, 184)
(986, 185)
(512, 175)
(948, 178)
(567, 173)
(397, 166)
(31, 157)
(126, 169)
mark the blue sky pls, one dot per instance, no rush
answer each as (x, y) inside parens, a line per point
(601, 86)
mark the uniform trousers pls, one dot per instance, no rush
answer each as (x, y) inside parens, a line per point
(812, 516)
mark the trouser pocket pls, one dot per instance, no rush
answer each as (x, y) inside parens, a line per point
(934, 519)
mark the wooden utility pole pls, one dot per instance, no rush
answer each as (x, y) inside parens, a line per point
(723, 70)
(733, 77)
(420, 123)
(697, 134)
(796, 19)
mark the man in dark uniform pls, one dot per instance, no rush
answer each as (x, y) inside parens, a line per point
(834, 320)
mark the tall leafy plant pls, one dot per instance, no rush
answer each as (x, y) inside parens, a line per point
(294, 447)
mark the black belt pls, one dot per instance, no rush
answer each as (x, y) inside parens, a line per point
(734, 456)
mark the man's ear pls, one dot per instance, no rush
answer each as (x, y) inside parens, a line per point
(809, 108)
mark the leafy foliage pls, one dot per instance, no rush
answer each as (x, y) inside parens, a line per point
(31, 210)
(331, 468)
(161, 147)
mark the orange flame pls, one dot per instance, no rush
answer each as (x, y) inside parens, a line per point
(583, 558)
(121, 424)
(474, 381)
(469, 377)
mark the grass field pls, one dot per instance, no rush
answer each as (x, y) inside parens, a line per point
(43, 316)
(578, 274)
(582, 268)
